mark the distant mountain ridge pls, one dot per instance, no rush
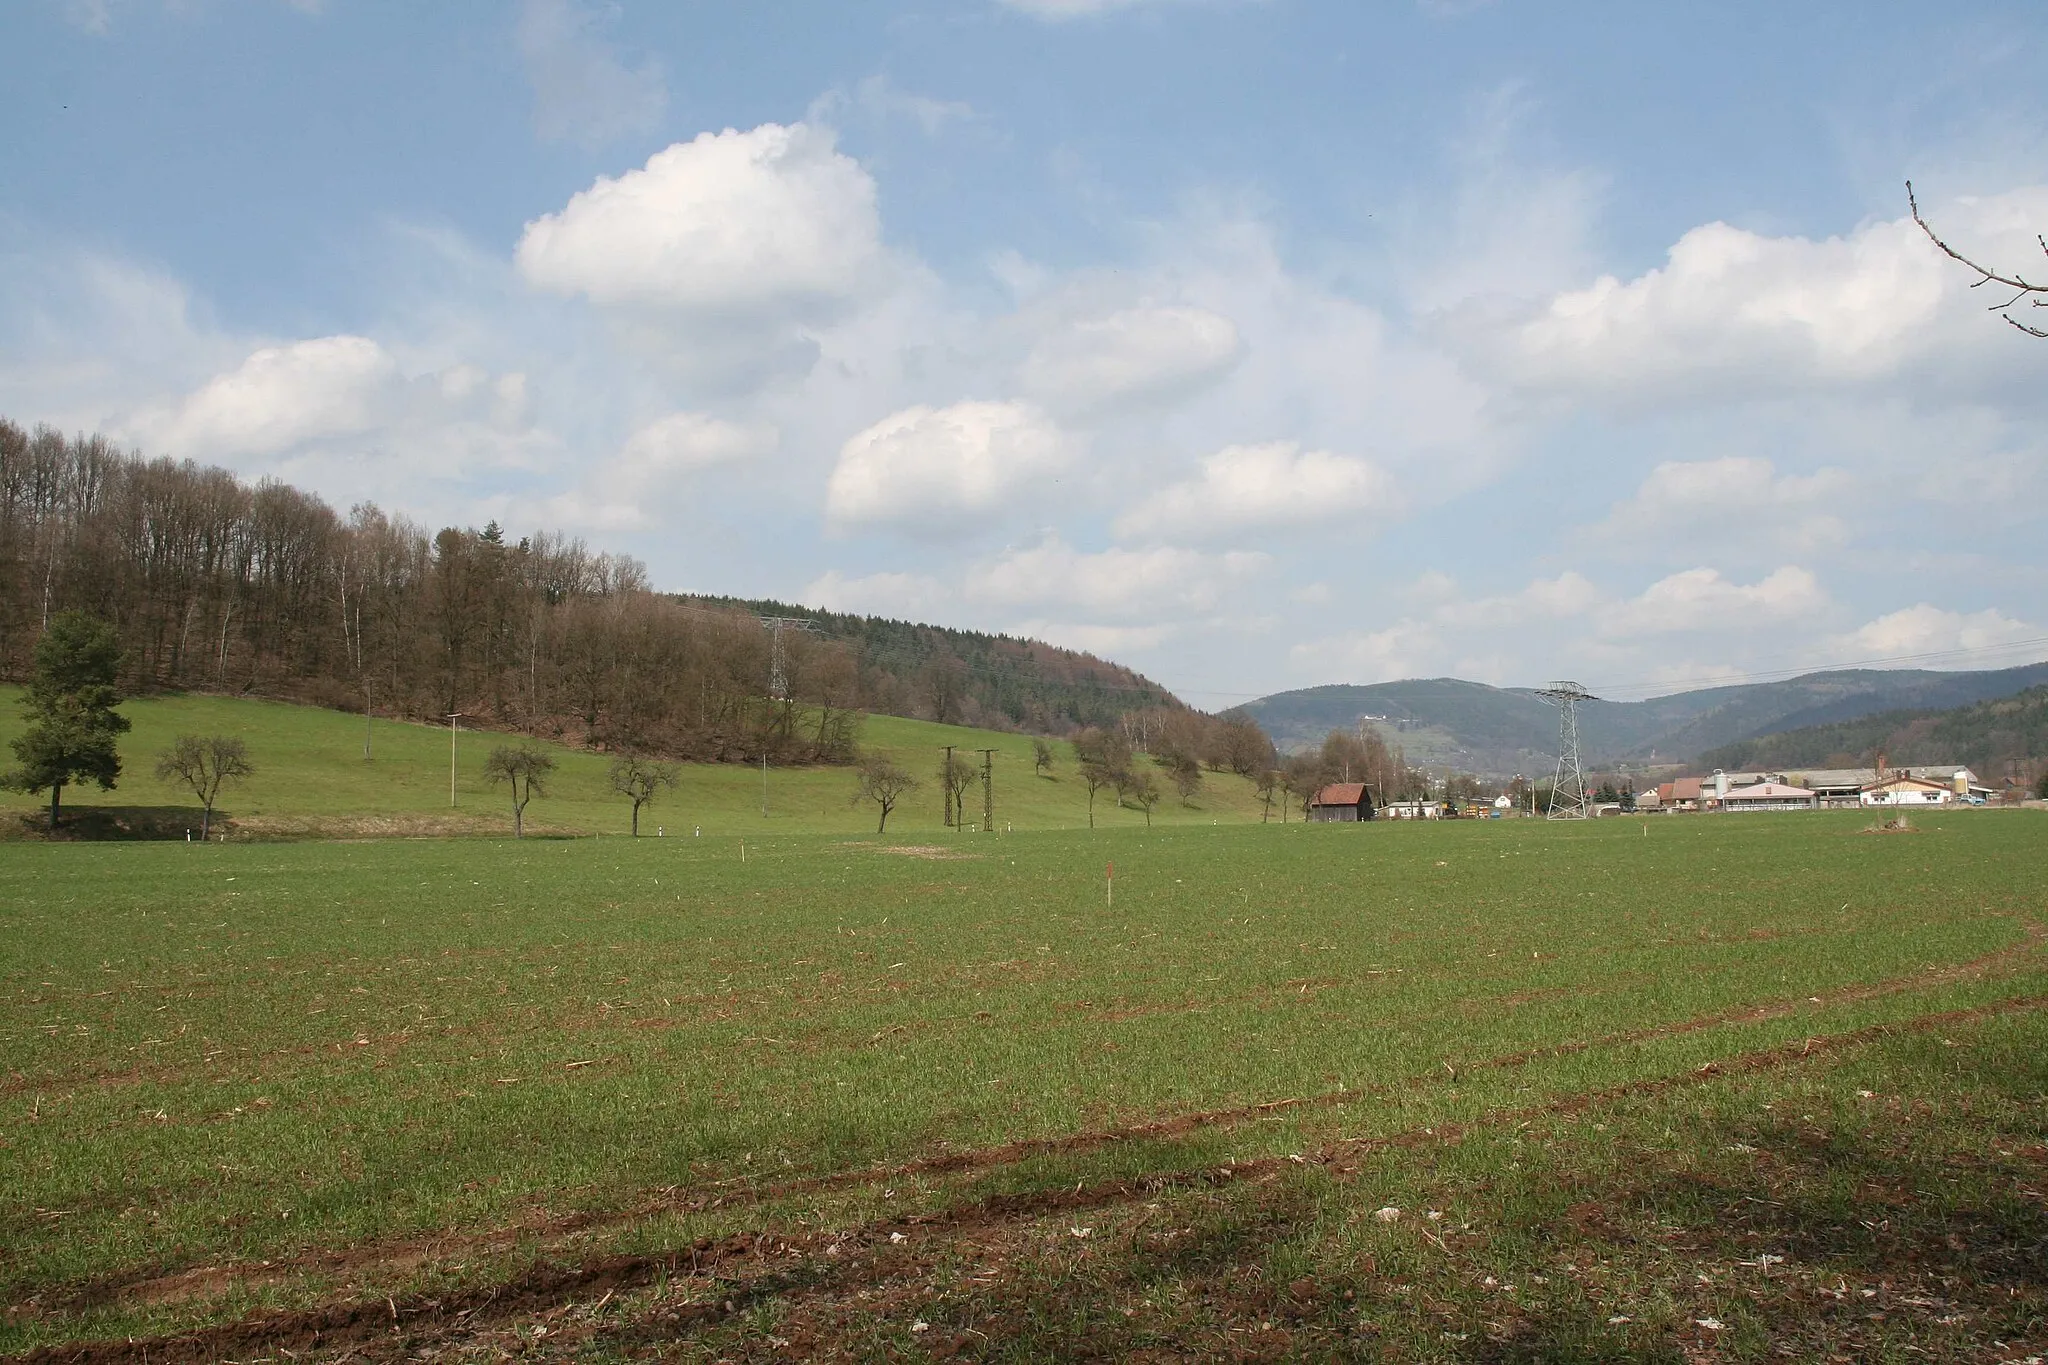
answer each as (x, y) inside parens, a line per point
(1500, 731)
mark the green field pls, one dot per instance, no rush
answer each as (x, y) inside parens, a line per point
(607, 1099)
(311, 779)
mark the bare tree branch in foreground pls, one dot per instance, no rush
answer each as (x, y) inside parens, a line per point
(2034, 295)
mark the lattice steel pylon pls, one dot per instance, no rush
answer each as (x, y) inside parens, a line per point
(778, 665)
(1568, 797)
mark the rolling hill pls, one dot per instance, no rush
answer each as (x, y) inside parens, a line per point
(2008, 735)
(1495, 731)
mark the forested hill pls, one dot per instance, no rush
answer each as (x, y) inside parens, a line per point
(970, 677)
(2006, 737)
(1495, 731)
(216, 585)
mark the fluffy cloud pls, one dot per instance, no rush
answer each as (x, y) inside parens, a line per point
(1545, 599)
(340, 415)
(685, 441)
(581, 90)
(1737, 497)
(924, 463)
(775, 221)
(1929, 630)
(1701, 599)
(1110, 585)
(1050, 586)
(1133, 356)
(285, 396)
(630, 491)
(1276, 486)
(1739, 309)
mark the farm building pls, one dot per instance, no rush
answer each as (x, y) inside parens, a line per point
(1768, 796)
(1413, 810)
(1845, 786)
(1342, 803)
(1900, 790)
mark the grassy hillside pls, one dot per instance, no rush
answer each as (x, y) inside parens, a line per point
(1990, 736)
(311, 778)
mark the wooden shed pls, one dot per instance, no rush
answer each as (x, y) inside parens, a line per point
(1342, 803)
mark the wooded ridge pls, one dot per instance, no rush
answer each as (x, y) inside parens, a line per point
(218, 585)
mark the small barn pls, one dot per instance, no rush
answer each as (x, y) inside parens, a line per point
(1342, 803)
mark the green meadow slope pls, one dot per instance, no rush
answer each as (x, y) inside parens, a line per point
(311, 779)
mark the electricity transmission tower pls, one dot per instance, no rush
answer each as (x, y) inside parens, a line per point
(988, 791)
(1568, 798)
(778, 667)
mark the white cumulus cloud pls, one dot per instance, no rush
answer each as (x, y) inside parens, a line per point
(1113, 585)
(1134, 355)
(284, 396)
(1927, 629)
(1701, 599)
(1257, 487)
(1735, 309)
(775, 220)
(1735, 497)
(917, 467)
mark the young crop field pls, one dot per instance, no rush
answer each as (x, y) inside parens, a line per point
(312, 780)
(1712, 1088)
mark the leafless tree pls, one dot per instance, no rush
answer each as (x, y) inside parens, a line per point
(1095, 775)
(1270, 781)
(640, 779)
(205, 764)
(884, 783)
(526, 769)
(1186, 773)
(2024, 292)
(1041, 758)
(1144, 793)
(956, 774)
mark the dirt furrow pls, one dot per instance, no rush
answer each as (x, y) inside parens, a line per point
(396, 1327)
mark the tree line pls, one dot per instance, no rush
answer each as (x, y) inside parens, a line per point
(212, 583)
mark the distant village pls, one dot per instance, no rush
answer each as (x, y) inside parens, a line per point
(1918, 786)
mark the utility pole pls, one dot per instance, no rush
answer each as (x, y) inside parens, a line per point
(764, 784)
(946, 781)
(988, 791)
(453, 716)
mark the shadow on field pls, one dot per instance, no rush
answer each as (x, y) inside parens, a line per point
(83, 824)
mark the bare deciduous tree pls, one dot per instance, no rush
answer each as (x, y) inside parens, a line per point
(1144, 793)
(205, 763)
(957, 774)
(883, 783)
(2023, 291)
(1269, 782)
(1041, 758)
(526, 769)
(640, 780)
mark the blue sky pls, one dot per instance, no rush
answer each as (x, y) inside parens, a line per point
(1256, 343)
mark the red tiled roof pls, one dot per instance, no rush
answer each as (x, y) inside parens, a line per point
(1341, 794)
(1685, 789)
